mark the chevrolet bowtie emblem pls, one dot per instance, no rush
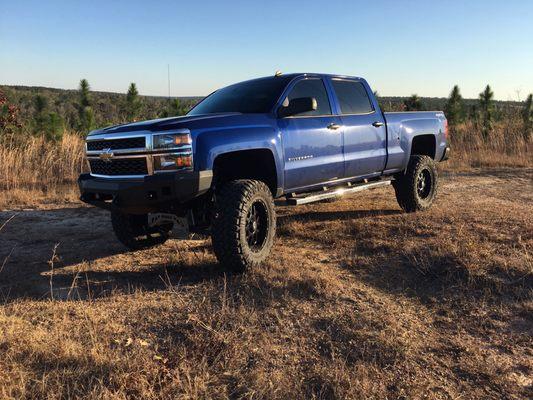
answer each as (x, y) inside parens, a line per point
(106, 155)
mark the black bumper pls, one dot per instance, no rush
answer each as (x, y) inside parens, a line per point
(143, 195)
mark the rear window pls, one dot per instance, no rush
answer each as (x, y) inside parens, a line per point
(352, 96)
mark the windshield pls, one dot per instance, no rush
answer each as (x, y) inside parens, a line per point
(257, 96)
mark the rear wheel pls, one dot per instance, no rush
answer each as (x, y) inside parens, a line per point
(244, 224)
(417, 188)
(133, 231)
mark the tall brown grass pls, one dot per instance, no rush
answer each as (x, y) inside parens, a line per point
(33, 168)
(506, 145)
(34, 161)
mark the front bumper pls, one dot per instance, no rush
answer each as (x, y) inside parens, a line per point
(145, 194)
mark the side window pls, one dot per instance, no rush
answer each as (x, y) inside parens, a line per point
(352, 97)
(312, 88)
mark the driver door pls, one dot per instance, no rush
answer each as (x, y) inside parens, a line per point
(312, 141)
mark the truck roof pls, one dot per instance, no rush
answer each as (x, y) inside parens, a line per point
(298, 74)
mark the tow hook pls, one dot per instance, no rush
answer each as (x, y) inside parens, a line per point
(180, 225)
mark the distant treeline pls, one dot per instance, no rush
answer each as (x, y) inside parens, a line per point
(49, 112)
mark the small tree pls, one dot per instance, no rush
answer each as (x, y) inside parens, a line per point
(9, 116)
(49, 124)
(175, 108)
(527, 117)
(40, 104)
(55, 126)
(84, 91)
(133, 103)
(486, 109)
(85, 112)
(454, 108)
(413, 103)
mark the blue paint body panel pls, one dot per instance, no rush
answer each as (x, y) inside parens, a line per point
(306, 153)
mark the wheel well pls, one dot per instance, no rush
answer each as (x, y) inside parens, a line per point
(424, 145)
(256, 164)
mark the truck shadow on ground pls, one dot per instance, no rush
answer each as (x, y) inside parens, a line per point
(72, 253)
(321, 216)
(37, 241)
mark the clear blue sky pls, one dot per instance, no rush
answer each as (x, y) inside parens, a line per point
(401, 47)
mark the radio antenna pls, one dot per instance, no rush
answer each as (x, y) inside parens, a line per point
(168, 78)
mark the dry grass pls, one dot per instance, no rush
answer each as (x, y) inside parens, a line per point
(506, 146)
(359, 300)
(33, 169)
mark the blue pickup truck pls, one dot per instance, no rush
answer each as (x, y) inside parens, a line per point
(221, 168)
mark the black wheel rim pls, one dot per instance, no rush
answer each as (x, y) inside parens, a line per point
(423, 184)
(256, 226)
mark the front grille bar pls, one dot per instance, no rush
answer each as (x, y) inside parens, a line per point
(138, 152)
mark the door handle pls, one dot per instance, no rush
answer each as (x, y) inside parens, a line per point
(333, 126)
(377, 124)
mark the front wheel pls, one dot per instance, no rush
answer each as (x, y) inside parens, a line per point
(417, 188)
(133, 231)
(244, 224)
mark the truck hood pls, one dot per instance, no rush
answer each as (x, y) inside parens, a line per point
(163, 124)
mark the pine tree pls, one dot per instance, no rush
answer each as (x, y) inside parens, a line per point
(486, 108)
(39, 116)
(84, 91)
(85, 111)
(175, 108)
(413, 103)
(454, 108)
(55, 126)
(133, 103)
(49, 124)
(527, 117)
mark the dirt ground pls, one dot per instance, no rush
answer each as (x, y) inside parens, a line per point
(359, 300)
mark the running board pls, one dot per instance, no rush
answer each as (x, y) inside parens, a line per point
(329, 194)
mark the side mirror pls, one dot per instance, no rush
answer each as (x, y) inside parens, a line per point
(298, 106)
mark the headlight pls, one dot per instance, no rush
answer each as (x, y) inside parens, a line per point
(170, 141)
(172, 161)
(172, 151)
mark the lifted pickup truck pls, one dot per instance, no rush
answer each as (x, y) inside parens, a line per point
(218, 169)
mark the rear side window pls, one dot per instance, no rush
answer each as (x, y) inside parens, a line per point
(352, 97)
(312, 88)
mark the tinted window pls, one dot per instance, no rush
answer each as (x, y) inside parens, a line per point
(312, 88)
(352, 97)
(257, 96)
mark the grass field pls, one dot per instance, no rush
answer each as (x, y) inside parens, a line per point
(359, 300)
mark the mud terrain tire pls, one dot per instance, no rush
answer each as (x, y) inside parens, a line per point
(244, 224)
(417, 188)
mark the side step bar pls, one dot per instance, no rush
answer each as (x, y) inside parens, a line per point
(329, 194)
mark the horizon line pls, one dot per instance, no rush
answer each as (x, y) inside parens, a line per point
(203, 96)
